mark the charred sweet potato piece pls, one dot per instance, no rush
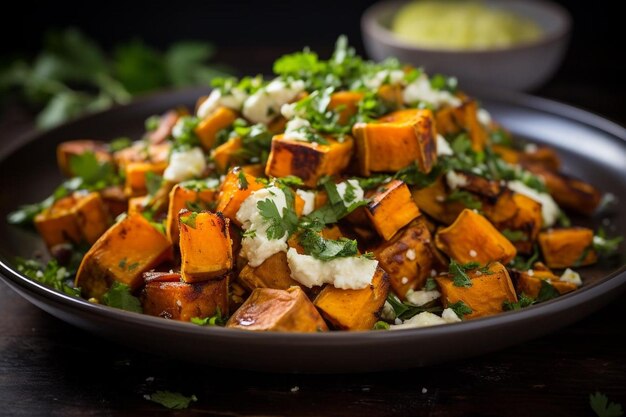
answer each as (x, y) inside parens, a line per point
(472, 238)
(542, 156)
(123, 254)
(256, 170)
(345, 103)
(526, 219)
(396, 141)
(570, 193)
(529, 282)
(69, 149)
(391, 208)
(225, 154)
(278, 310)
(391, 94)
(272, 273)
(114, 200)
(136, 173)
(234, 191)
(308, 160)
(181, 198)
(183, 301)
(571, 246)
(485, 297)
(73, 219)
(205, 246)
(207, 129)
(408, 258)
(432, 201)
(354, 309)
(453, 120)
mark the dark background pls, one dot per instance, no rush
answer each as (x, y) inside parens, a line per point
(592, 70)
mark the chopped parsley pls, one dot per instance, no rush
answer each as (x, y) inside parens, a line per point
(243, 181)
(52, 275)
(521, 264)
(523, 301)
(184, 135)
(466, 198)
(460, 308)
(120, 143)
(279, 225)
(153, 182)
(152, 123)
(190, 220)
(604, 246)
(215, 320)
(405, 310)
(381, 325)
(514, 235)
(599, 403)
(458, 273)
(430, 284)
(119, 296)
(547, 291)
(323, 249)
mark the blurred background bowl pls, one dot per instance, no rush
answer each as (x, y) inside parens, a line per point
(519, 67)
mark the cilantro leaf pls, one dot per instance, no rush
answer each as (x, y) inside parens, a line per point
(172, 400)
(466, 198)
(514, 235)
(279, 225)
(523, 301)
(119, 296)
(243, 181)
(460, 309)
(120, 143)
(458, 272)
(547, 291)
(326, 249)
(599, 403)
(93, 173)
(522, 264)
(51, 275)
(189, 221)
(405, 310)
(604, 246)
(215, 320)
(381, 325)
(153, 182)
(430, 284)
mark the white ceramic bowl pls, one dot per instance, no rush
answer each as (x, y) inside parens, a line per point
(519, 67)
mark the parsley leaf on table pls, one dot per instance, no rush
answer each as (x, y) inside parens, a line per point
(599, 403)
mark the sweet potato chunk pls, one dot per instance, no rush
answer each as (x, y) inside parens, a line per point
(114, 200)
(123, 254)
(432, 201)
(542, 156)
(408, 258)
(571, 246)
(345, 103)
(69, 149)
(396, 141)
(225, 154)
(526, 218)
(207, 129)
(182, 301)
(272, 273)
(73, 219)
(354, 309)
(485, 296)
(181, 198)
(308, 160)
(234, 191)
(391, 208)
(205, 246)
(278, 310)
(472, 238)
(529, 282)
(138, 152)
(136, 173)
(453, 120)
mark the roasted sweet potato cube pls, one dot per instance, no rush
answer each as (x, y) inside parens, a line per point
(432, 201)
(123, 254)
(225, 155)
(453, 120)
(486, 295)
(530, 282)
(272, 273)
(308, 160)
(526, 218)
(391, 94)
(354, 309)
(57, 224)
(408, 258)
(542, 156)
(234, 191)
(183, 301)
(472, 238)
(569, 192)
(256, 170)
(138, 152)
(181, 197)
(76, 218)
(69, 149)
(207, 129)
(205, 246)
(396, 141)
(345, 103)
(278, 310)
(391, 208)
(565, 247)
(136, 173)
(114, 200)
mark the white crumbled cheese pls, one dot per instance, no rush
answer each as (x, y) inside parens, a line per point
(424, 390)
(233, 100)
(295, 389)
(359, 194)
(433, 273)
(483, 117)
(455, 180)
(472, 253)
(397, 321)
(293, 129)
(309, 201)
(450, 316)
(384, 77)
(351, 273)
(424, 319)
(388, 312)
(421, 90)
(185, 165)
(569, 275)
(530, 273)
(258, 248)
(420, 298)
(549, 209)
(530, 148)
(288, 110)
(404, 280)
(410, 254)
(443, 147)
(267, 102)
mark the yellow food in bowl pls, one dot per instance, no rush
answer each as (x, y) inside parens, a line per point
(459, 24)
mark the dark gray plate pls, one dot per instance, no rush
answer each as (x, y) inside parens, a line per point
(591, 147)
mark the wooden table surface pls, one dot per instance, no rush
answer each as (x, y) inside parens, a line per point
(48, 367)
